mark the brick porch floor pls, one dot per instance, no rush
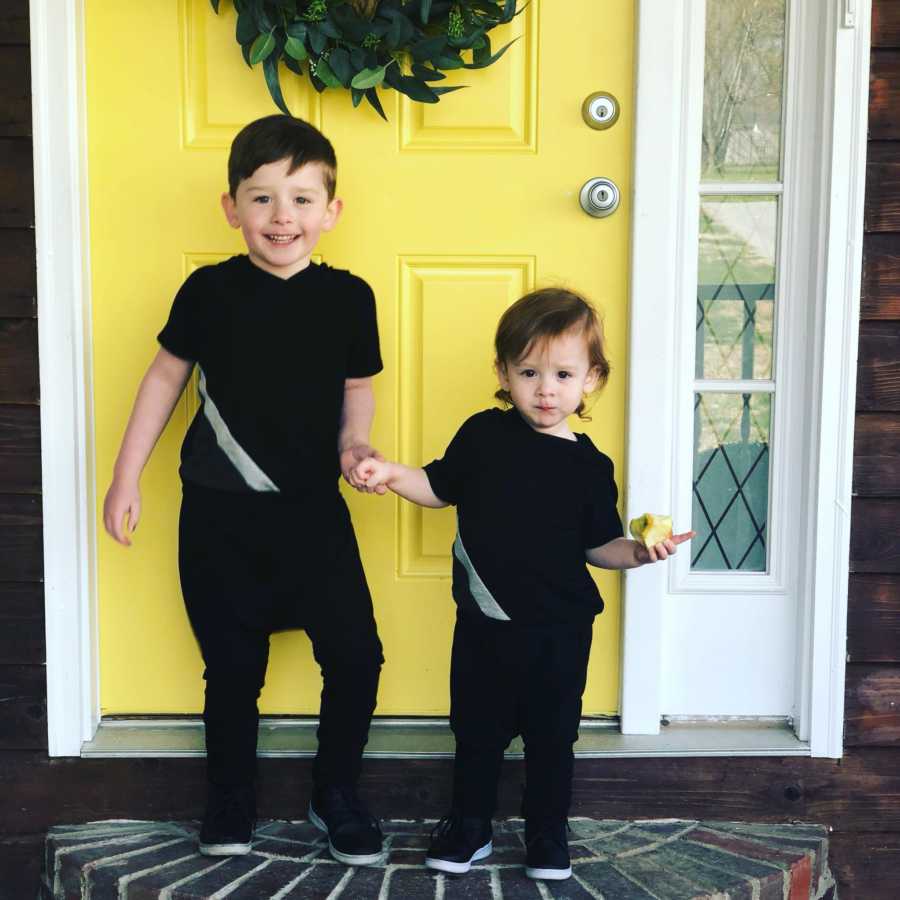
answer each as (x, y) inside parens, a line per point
(612, 860)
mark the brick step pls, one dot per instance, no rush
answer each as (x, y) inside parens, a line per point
(611, 860)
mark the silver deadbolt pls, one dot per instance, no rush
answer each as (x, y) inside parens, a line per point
(599, 197)
(600, 110)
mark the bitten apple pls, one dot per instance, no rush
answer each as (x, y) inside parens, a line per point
(651, 529)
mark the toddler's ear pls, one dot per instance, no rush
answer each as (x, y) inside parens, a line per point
(591, 381)
(502, 376)
(230, 209)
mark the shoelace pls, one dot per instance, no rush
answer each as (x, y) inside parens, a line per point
(351, 809)
(553, 832)
(444, 826)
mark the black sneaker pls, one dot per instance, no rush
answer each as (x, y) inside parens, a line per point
(547, 851)
(457, 841)
(229, 821)
(354, 836)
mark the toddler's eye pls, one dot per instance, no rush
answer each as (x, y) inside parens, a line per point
(564, 375)
(528, 373)
(262, 198)
(302, 200)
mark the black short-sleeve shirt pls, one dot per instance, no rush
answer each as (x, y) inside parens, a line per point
(273, 355)
(528, 506)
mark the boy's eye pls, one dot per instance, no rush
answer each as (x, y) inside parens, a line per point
(564, 375)
(302, 200)
(528, 373)
(262, 198)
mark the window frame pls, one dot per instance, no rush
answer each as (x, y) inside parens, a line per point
(826, 86)
(63, 279)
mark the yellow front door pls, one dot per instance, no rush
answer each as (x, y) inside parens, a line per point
(451, 212)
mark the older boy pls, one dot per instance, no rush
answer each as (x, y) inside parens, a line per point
(286, 350)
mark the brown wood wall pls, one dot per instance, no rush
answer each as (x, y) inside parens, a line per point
(858, 796)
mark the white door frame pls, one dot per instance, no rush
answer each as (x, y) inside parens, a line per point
(67, 453)
(829, 99)
(64, 344)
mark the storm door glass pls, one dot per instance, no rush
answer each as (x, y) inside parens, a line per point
(737, 285)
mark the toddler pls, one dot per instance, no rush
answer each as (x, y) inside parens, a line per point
(535, 502)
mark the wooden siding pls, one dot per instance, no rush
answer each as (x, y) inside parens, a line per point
(873, 639)
(858, 796)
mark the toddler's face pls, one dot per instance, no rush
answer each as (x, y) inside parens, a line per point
(281, 215)
(549, 381)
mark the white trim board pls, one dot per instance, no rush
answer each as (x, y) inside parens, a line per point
(827, 89)
(62, 238)
(64, 343)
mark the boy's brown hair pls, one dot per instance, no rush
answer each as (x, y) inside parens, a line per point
(277, 137)
(546, 314)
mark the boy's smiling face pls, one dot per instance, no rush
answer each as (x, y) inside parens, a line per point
(282, 214)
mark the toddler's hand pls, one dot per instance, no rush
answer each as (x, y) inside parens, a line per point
(352, 458)
(662, 550)
(370, 475)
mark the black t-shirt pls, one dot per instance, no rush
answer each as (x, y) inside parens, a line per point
(273, 355)
(528, 505)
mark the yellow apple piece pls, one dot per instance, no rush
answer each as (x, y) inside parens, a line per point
(651, 529)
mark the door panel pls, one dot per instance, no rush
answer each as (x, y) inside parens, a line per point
(451, 212)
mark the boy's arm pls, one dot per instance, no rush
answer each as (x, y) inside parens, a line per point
(356, 422)
(410, 483)
(156, 398)
(622, 553)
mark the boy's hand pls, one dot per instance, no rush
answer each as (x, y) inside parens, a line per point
(351, 458)
(662, 550)
(372, 475)
(122, 499)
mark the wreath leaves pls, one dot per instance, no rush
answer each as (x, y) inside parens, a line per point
(361, 45)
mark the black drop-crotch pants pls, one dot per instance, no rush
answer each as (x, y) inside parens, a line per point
(506, 680)
(251, 564)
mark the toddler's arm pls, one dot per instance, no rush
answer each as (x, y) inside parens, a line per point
(156, 398)
(357, 414)
(409, 483)
(622, 553)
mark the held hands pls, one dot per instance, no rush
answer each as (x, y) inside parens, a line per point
(353, 459)
(372, 475)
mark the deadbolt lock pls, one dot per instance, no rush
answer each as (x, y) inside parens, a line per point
(600, 110)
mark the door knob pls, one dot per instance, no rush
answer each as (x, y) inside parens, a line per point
(599, 197)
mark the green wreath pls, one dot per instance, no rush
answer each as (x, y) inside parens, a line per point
(362, 44)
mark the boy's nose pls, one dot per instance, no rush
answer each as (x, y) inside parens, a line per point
(282, 213)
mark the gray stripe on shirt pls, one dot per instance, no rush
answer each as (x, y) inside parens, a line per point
(238, 456)
(477, 588)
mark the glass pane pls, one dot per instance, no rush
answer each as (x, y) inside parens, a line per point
(742, 90)
(736, 287)
(731, 481)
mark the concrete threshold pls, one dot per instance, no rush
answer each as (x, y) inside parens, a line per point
(432, 739)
